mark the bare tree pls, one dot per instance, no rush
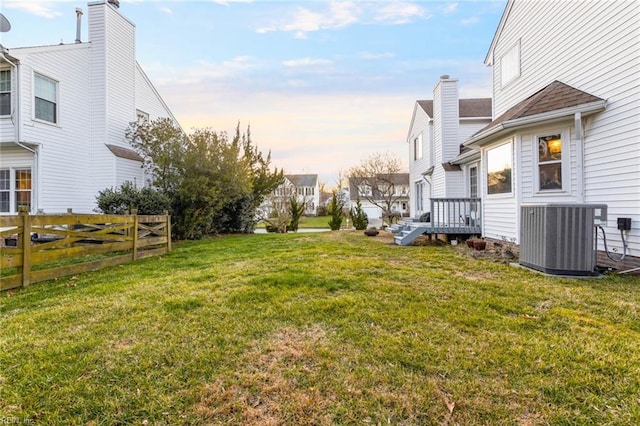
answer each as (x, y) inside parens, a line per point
(376, 179)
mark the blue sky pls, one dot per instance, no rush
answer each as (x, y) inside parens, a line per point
(323, 84)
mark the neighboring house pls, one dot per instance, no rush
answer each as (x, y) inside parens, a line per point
(566, 108)
(373, 196)
(63, 114)
(305, 188)
(438, 128)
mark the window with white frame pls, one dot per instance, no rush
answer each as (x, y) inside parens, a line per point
(364, 190)
(5, 92)
(46, 99)
(15, 189)
(417, 147)
(473, 182)
(419, 191)
(550, 162)
(510, 65)
(5, 191)
(499, 169)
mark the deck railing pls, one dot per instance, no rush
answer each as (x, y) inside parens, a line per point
(34, 246)
(456, 215)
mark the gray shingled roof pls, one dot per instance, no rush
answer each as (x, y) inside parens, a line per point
(126, 153)
(396, 178)
(555, 96)
(303, 180)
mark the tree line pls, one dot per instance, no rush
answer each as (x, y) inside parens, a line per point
(210, 183)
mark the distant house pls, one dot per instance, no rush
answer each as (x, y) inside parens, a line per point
(374, 193)
(439, 167)
(305, 187)
(63, 114)
(566, 117)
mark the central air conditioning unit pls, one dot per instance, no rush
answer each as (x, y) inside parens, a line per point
(559, 239)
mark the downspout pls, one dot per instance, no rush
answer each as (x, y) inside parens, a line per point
(579, 155)
(18, 125)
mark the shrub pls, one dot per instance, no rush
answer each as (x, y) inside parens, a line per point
(128, 197)
(296, 210)
(358, 216)
(335, 212)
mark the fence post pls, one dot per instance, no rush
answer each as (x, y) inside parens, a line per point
(25, 242)
(168, 229)
(69, 226)
(134, 233)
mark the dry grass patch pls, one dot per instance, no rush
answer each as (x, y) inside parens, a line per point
(267, 388)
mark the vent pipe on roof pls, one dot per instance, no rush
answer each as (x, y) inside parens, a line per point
(78, 24)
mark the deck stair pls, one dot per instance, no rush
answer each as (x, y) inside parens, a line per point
(409, 232)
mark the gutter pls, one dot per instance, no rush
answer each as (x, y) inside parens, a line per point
(563, 113)
(466, 157)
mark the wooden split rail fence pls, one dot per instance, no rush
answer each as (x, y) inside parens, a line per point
(34, 246)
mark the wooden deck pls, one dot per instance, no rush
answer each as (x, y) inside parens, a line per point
(449, 216)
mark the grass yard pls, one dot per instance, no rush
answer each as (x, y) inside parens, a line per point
(309, 222)
(326, 328)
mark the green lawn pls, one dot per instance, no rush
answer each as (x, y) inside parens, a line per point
(326, 328)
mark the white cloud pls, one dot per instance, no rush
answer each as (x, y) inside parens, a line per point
(306, 62)
(373, 56)
(44, 9)
(400, 13)
(305, 20)
(450, 8)
(166, 10)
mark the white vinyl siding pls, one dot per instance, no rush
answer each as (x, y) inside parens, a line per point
(64, 154)
(445, 139)
(421, 125)
(96, 94)
(129, 171)
(591, 46)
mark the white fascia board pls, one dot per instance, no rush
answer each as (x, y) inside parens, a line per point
(488, 60)
(466, 157)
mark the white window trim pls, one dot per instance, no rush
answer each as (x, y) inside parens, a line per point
(565, 163)
(11, 91)
(12, 188)
(418, 149)
(485, 171)
(467, 179)
(33, 99)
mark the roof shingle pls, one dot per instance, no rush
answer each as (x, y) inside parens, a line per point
(555, 96)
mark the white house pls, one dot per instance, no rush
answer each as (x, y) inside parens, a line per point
(437, 166)
(306, 189)
(566, 116)
(64, 112)
(392, 188)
